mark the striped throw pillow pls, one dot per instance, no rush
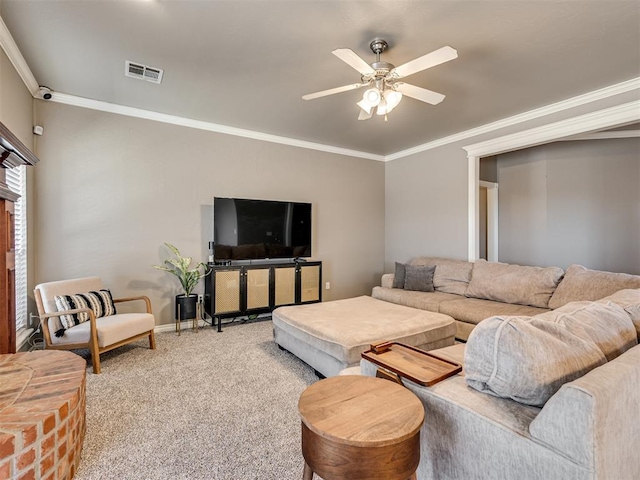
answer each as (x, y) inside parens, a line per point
(100, 301)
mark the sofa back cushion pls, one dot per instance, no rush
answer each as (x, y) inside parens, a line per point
(525, 358)
(628, 299)
(451, 276)
(605, 323)
(580, 283)
(513, 283)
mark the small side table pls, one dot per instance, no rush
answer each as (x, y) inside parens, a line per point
(194, 320)
(357, 427)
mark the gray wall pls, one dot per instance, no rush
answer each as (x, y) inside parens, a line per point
(572, 202)
(426, 211)
(426, 205)
(111, 189)
(16, 104)
(16, 112)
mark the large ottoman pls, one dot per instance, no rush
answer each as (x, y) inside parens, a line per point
(331, 336)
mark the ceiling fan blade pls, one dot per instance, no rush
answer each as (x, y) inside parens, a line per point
(349, 57)
(331, 91)
(420, 93)
(429, 60)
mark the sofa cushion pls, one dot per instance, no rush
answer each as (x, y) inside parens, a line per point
(419, 278)
(111, 330)
(513, 283)
(474, 310)
(451, 276)
(429, 301)
(580, 283)
(628, 299)
(526, 359)
(605, 323)
(399, 276)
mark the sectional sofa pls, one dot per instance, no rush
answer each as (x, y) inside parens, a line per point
(472, 291)
(554, 396)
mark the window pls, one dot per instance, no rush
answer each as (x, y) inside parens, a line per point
(16, 179)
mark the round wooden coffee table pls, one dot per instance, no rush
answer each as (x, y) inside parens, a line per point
(358, 427)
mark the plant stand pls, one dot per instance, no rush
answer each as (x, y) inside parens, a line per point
(194, 320)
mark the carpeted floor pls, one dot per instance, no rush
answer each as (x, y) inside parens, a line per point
(202, 406)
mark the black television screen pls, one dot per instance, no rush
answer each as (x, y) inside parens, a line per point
(260, 229)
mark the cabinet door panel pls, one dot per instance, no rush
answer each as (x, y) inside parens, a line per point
(227, 291)
(257, 288)
(309, 283)
(285, 285)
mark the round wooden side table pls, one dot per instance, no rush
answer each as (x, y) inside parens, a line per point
(360, 428)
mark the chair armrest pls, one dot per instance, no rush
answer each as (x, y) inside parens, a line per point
(47, 316)
(131, 299)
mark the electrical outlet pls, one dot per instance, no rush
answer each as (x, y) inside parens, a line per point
(327, 286)
(199, 298)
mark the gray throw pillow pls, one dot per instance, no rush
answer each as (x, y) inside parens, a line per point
(398, 278)
(419, 278)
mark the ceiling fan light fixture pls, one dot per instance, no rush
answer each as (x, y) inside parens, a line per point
(383, 108)
(392, 99)
(365, 106)
(364, 115)
(372, 96)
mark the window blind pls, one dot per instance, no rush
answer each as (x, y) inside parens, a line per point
(16, 180)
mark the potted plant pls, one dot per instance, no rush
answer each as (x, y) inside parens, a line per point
(189, 277)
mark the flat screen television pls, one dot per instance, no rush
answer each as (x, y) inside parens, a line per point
(246, 229)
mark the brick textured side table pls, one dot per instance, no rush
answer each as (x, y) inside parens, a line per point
(360, 428)
(42, 414)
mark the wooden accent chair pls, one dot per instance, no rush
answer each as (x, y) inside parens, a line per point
(97, 334)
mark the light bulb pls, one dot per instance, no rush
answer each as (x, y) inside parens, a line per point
(372, 97)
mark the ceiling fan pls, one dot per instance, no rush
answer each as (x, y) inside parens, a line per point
(385, 90)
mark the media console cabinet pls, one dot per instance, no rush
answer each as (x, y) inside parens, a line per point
(235, 290)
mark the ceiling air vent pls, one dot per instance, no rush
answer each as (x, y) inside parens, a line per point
(143, 72)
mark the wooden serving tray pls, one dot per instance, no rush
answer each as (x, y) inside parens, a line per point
(408, 362)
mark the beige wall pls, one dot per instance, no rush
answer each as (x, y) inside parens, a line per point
(111, 189)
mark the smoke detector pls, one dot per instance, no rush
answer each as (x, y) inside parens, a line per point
(143, 72)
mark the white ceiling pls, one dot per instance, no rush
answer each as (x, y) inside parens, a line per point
(246, 64)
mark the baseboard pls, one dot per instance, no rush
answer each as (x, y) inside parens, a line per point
(184, 325)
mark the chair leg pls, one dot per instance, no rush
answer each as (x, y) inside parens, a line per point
(95, 354)
(95, 361)
(152, 340)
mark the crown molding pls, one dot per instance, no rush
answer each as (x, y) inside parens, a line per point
(607, 135)
(610, 91)
(15, 57)
(208, 126)
(606, 118)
